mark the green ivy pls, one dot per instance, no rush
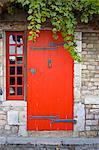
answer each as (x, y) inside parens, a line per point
(63, 16)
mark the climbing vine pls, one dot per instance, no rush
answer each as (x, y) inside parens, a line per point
(63, 16)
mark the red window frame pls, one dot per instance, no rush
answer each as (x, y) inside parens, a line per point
(16, 96)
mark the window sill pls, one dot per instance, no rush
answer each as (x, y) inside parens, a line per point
(15, 103)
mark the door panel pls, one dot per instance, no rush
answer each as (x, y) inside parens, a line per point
(49, 84)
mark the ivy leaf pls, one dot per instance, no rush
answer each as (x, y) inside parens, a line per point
(26, 2)
(66, 46)
(30, 17)
(43, 19)
(30, 37)
(68, 38)
(30, 11)
(29, 27)
(38, 26)
(55, 36)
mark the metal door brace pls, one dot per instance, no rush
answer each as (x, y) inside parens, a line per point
(54, 119)
(64, 121)
(44, 117)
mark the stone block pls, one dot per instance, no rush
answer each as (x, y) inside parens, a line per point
(95, 106)
(93, 87)
(91, 122)
(1, 60)
(96, 83)
(79, 113)
(22, 130)
(89, 106)
(22, 117)
(1, 50)
(2, 112)
(96, 92)
(90, 45)
(94, 111)
(97, 116)
(79, 46)
(79, 36)
(88, 128)
(84, 66)
(14, 129)
(84, 45)
(94, 79)
(91, 133)
(1, 82)
(1, 98)
(15, 103)
(96, 46)
(84, 53)
(3, 122)
(1, 71)
(77, 94)
(77, 69)
(96, 75)
(12, 117)
(91, 67)
(93, 128)
(7, 127)
(92, 100)
(2, 117)
(77, 81)
(2, 140)
(89, 116)
(87, 110)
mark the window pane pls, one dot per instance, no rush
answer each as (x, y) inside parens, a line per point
(12, 59)
(19, 39)
(11, 49)
(19, 59)
(19, 91)
(12, 90)
(19, 80)
(19, 49)
(19, 70)
(12, 81)
(12, 70)
(12, 39)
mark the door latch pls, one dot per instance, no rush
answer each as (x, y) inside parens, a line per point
(49, 63)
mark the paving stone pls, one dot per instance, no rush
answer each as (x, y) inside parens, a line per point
(2, 140)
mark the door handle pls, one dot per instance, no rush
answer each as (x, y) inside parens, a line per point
(49, 63)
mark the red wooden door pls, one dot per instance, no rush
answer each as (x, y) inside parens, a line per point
(49, 84)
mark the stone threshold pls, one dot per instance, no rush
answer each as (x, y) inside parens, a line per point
(48, 141)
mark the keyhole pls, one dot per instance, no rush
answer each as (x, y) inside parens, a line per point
(49, 63)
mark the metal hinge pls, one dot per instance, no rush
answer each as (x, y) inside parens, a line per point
(64, 121)
(44, 117)
(54, 119)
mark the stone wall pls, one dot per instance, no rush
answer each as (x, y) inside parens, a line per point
(90, 82)
(90, 67)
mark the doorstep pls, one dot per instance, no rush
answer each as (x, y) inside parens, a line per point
(48, 141)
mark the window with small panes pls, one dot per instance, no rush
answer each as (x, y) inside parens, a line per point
(15, 65)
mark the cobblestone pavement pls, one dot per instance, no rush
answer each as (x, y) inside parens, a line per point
(49, 147)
